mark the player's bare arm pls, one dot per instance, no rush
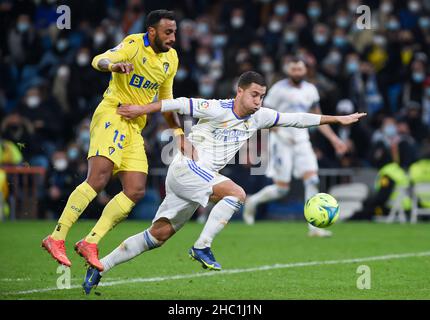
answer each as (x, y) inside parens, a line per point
(106, 65)
(131, 111)
(342, 120)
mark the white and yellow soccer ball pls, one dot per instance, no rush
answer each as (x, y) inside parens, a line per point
(321, 210)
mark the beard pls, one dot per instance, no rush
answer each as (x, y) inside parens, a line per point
(296, 80)
(159, 45)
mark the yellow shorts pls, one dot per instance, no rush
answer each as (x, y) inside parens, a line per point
(117, 139)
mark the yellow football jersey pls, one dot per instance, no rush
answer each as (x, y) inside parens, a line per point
(153, 73)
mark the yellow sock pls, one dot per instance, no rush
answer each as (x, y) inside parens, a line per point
(76, 204)
(116, 210)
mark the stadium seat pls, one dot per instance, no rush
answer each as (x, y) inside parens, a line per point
(397, 212)
(350, 197)
(420, 194)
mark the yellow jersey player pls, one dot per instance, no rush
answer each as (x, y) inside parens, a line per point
(142, 66)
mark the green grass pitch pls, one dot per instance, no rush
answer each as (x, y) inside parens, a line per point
(296, 267)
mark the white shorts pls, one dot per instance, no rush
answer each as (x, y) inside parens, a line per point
(188, 185)
(287, 158)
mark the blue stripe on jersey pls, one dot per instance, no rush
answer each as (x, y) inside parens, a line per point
(237, 117)
(191, 107)
(204, 172)
(199, 173)
(276, 120)
(146, 39)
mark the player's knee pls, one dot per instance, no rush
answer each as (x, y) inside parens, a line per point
(99, 181)
(135, 194)
(282, 190)
(239, 193)
(162, 230)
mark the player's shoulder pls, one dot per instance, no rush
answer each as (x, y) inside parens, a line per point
(135, 38)
(309, 86)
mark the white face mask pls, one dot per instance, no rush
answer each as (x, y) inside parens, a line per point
(386, 7)
(267, 67)
(203, 59)
(275, 26)
(216, 73)
(237, 22)
(83, 59)
(99, 38)
(414, 6)
(60, 164)
(33, 102)
(63, 71)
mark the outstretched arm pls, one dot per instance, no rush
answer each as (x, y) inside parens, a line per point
(306, 120)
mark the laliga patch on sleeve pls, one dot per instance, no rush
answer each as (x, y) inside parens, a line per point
(203, 105)
(117, 47)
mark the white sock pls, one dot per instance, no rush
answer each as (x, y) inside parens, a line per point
(218, 218)
(311, 189)
(268, 193)
(130, 248)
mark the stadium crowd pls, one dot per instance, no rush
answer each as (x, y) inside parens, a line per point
(48, 89)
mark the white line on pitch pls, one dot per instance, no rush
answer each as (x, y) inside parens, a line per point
(234, 271)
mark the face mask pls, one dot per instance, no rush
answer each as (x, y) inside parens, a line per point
(241, 57)
(99, 38)
(84, 138)
(320, 38)
(33, 102)
(390, 130)
(290, 37)
(63, 72)
(206, 90)
(216, 73)
(275, 26)
(267, 67)
(256, 50)
(219, 41)
(237, 22)
(181, 74)
(424, 22)
(314, 12)
(334, 58)
(62, 45)
(418, 77)
(72, 153)
(342, 22)
(22, 26)
(83, 59)
(352, 67)
(202, 28)
(414, 6)
(203, 59)
(339, 41)
(393, 25)
(60, 164)
(281, 10)
(379, 41)
(386, 7)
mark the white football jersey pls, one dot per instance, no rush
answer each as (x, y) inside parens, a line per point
(283, 97)
(220, 133)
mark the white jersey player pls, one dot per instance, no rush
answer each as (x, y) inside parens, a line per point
(223, 127)
(291, 152)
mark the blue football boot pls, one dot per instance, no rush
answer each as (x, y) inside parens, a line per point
(92, 279)
(205, 257)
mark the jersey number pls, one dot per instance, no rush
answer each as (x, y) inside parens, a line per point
(121, 139)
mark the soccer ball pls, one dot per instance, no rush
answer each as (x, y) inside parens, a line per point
(322, 210)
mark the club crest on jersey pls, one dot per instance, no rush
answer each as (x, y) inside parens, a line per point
(165, 66)
(111, 150)
(203, 105)
(117, 47)
(107, 125)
